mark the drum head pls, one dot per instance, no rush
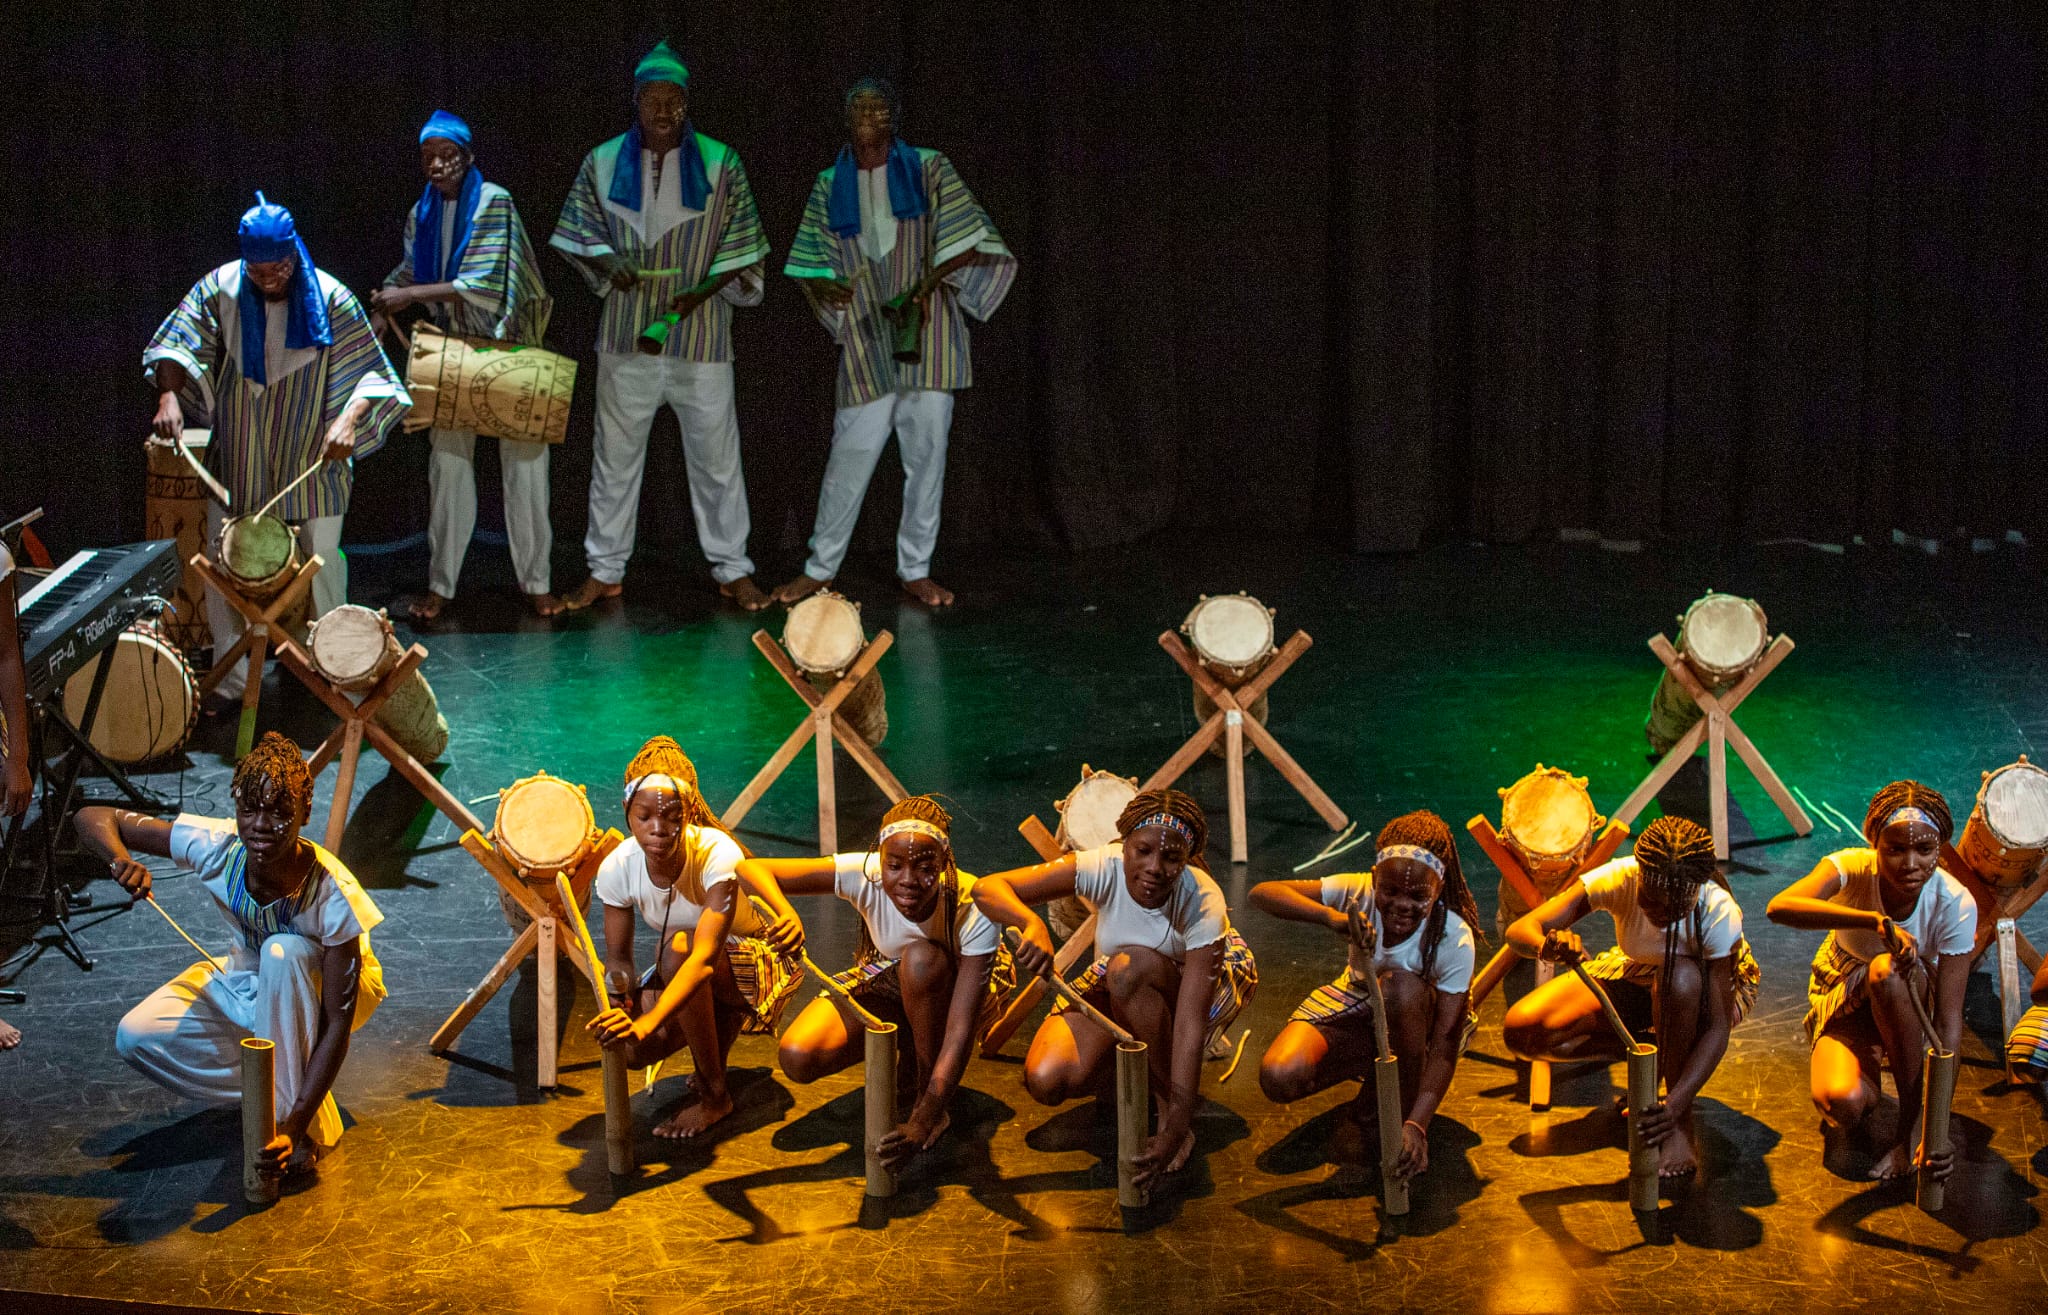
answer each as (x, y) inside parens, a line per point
(148, 705)
(1231, 630)
(256, 547)
(1548, 813)
(1088, 815)
(1723, 634)
(2015, 805)
(350, 642)
(543, 822)
(823, 633)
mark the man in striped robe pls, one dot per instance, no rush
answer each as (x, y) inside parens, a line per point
(469, 264)
(281, 357)
(662, 225)
(889, 226)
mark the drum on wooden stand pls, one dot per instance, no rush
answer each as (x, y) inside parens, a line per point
(1547, 820)
(174, 505)
(498, 389)
(543, 826)
(353, 647)
(1232, 635)
(260, 553)
(2008, 828)
(150, 701)
(1088, 821)
(1721, 637)
(824, 638)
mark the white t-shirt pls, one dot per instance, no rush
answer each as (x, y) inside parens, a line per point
(1612, 887)
(1943, 920)
(893, 933)
(623, 883)
(1455, 953)
(1193, 916)
(333, 909)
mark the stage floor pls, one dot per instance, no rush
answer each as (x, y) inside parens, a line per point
(1434, 680)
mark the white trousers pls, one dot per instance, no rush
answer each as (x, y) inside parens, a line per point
(920, 418)
(630, 388)
(321, 535)
(187, 1034)
(451, 517)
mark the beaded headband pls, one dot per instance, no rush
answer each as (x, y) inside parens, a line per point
(1171, 823)
(1909, 813)
(1416, 852)
(914, 826)
(640, 783)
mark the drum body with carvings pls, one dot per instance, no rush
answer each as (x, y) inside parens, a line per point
(1721, 637)
(1232, 635)
(1088, 821)
(498, 389)
(150, 700)
(174, 503)
(353, 647)
(1547, 821)
(2008, 829)
(824, 638)
(543, 826)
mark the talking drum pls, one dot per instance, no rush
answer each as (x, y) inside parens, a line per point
(824, 638)
(150, 701)
(2008, 829)
(1548, 821)
(353, 647)
(1232, 634)
(497, 389)
(544, 825)
(174, 506)
(1088, 821)
(260, 552)
(1721, 637)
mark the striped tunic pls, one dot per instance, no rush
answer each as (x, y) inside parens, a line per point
(955, 222)
(265, 435)
(499, 277)
(726, 235)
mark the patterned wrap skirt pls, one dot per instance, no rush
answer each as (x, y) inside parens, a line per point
(767, 981)
(1347, 1003)
(2026, 1050)
(1612, 965)
(1237, 979)
(875, 979)
(1839, 983)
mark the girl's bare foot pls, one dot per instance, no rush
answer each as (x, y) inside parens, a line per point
(10, 1035)
(687, 1122)
(1894, 1163)
(1676, 1157)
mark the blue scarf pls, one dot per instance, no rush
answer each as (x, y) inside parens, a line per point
(268, 234)
(426, 230)
(906, 189)
(696, 183)
(260, 921)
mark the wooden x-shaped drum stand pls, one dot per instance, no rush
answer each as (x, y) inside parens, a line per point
(825, 725)
(1231, 721)
(1077, 947)
(543, 936)
(1525, 886)
(1717, 727)
(1998, 915)
(262, 620)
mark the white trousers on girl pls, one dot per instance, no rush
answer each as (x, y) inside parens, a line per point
(322, 535)
(451, 516)
(631, 387)
(187, 1034)
(921, 418)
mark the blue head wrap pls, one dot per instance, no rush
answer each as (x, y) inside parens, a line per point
(268, 234)
(661, 64)
(427, 266)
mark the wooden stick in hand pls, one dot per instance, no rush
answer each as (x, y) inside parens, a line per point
(868, 1018)
(1066, 992)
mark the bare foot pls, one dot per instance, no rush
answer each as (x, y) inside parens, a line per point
(1676, 1157)
(1894, 1163)
(744, 592)
(929, 592)
(10, 1035)
(799, 589)
(690, 1120)
(426, 606)
(1180, 1157)
(546, 604)
(592, 590)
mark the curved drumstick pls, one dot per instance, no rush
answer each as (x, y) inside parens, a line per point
(1013, 938)
(294, 484)
(213, 486)
(151, 900)
(868, 1019)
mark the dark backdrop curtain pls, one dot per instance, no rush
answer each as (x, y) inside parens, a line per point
(1371, 271)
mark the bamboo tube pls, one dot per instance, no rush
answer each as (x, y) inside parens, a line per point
(1133, 1112)
(618, 1086)
(1386, 1074)
(1642, 1157)
(259, 1118)
(881, 1106)
(1066, 992)
(1938, 1093)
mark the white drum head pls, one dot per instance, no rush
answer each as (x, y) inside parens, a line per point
(543, 822)
(1230, 630)
(1724, 634)
(1548, 814)
(2015, 805)
(350, 643)
(1088, 815)
(148, 705)
(823, 634)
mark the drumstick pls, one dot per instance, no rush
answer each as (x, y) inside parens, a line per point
(213, 486)
(1386, 1071)
(318, 462)
(1919, 1006)
(868, 1019)
(1014, 939)
(618, 1090)
(1642, 1094)
(151, 898)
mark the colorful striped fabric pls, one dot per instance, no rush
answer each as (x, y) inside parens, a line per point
(2026, 1050)
(1237, 979)
(955, 223)
(264, 436)
(499, 276)
(258, 922)
(725, 236)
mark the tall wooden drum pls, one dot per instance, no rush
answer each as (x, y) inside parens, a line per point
(1232, 634)
(543, 826)
(174, 504)
(150, 702)
(1088, 821)
(824, 638)
(1548, 820)
(2008, 829)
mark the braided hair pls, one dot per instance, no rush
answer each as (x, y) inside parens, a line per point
(1180, 807)
(1907, 794)
(274, 769)
(662, 756)
(927, 809)
(1676, 857)
(1425, 830)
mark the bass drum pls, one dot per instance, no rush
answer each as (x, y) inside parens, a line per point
(150, 701)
